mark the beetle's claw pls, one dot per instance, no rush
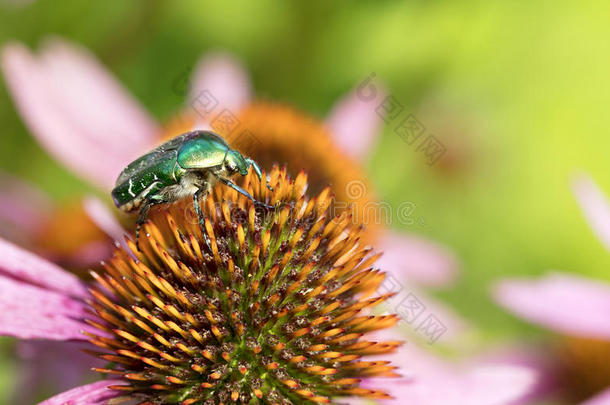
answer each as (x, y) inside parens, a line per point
(269, 187)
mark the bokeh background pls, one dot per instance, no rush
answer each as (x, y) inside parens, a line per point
(517, 91)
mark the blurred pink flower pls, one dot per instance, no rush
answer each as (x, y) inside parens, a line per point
(25, 215)
(565, 303)
(87, 120)
(22, 209)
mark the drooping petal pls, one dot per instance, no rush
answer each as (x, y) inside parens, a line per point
(96, 393)
(412, 258)
(22, 265)
(47, 367)
(355, 123)
(219, 85)
(103, 218)
(494, 385)
(561, 302)
(600, 399)
(23, 208)
(536, 357)
(595, 207)
(111, 106)
(426, 318)
(76, 110)
(437, 315)
(482, 385)
(429, 380)
(71, 239)
(87, 256)
(30, 312)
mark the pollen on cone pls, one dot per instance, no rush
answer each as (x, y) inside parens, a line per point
(275, 310)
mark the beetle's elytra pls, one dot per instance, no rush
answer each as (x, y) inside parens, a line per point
(187, 165)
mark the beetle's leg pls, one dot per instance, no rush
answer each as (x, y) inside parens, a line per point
(142, 219)
(244, 192)
(151, 199)
(202, 192)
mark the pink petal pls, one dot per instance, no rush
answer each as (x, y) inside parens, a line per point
(219, 83)
(96, 393)
(432, 381)
(103, 218)
(89, 255)
(354, 122)
(599, 399)
(115, 109)
(424, 317)
(595, 207)
(499, 385)
(23, 208)
(22, 265)
(30, 312)
(78, 112)
(56, 365)
(537, 357)
(561, 302)
(416, 259)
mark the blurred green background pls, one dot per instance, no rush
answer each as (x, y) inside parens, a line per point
(518, 91)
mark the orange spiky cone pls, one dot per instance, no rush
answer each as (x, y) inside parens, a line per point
(274, 313)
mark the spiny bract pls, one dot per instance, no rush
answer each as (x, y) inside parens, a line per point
(275, 314)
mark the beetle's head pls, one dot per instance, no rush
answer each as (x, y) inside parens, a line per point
(235, 163)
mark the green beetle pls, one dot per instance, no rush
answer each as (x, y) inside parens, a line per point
(187, 165)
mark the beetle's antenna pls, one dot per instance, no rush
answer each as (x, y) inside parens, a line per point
(258, 171)
(254, 165)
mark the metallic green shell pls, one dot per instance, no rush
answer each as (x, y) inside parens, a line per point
(203, 152)
(162, 152)
(165, 165)
(160, 172)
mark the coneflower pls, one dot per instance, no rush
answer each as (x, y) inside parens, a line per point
(276, 312)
